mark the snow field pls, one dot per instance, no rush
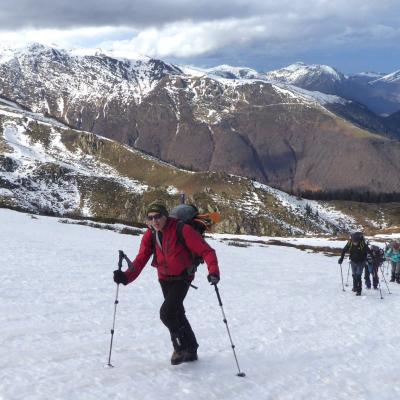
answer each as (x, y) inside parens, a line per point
(297, 335)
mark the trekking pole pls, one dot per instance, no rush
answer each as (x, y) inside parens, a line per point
(341, 274)
(348, 271)
(241, 374)
(379, 283)
(380, 290)
(121, 257)
(383, 275)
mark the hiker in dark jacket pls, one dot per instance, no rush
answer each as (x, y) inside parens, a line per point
(372, 266)
(358, 251)
(174, 266)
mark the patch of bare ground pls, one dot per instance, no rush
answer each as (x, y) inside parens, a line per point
(326, 250)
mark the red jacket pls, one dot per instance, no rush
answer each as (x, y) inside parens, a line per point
(173, 258)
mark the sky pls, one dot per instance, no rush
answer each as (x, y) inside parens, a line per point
(350, 35)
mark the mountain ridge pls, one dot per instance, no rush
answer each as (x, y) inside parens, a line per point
(48, 168)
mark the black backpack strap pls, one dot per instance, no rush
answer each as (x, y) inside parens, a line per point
(153, 247)
(195, 259)
(181, 240)
(179, 234)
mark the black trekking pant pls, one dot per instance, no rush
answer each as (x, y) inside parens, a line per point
(371, 269)
(172, 314)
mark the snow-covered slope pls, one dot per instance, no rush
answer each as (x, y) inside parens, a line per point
(297, 335)
(309, 96)
(314, 208)
(28, 157)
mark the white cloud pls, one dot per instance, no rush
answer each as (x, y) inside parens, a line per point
(275, 32)
(64, 37)
(189, 39)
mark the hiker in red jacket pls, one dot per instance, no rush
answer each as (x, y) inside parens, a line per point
(174, 263)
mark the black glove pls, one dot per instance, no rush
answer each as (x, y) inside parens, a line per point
(213, 279)
(120, 277)
(340, 260)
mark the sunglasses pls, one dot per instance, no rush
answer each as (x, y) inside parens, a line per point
(154, 217)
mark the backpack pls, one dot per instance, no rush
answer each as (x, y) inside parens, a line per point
(357, 237)
(377, 254)
(189, 214)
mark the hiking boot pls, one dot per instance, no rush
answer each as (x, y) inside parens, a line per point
(178, 353)
(358, 285)
(178, 357)
(354, 284)
(375, 283)
(190, 355)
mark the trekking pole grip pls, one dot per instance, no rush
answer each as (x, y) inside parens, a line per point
(121, 257)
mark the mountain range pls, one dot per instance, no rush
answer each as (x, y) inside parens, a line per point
(291, 129)
(379, 92)
(48, 168)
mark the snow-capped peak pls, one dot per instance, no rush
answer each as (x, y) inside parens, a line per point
(231, 72)
(223, 71)
(70, 69)
(299, 72)
(34, 49)
(368, 74)
(393, 77)
(100, 52)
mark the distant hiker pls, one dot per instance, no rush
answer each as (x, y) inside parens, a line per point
(374, 261)
(358, 251)
(174, 263)
(393, 255)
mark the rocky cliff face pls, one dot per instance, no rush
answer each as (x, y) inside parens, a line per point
(280, 135)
